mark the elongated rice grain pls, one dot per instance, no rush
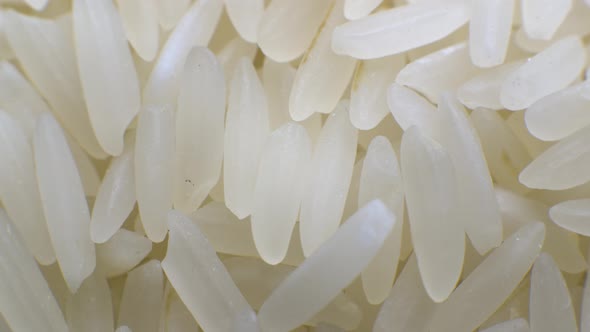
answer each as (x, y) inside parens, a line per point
(121, 253)
(245, 16)
(91, 308)
(140, 21)
(489, 31)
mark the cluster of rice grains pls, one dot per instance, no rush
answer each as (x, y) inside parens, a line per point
(306, 165)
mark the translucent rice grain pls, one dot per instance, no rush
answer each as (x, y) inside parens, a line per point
(410, 109)
(327, 328)
(231, 54)
(26, 301)
(542, 18)
(368, 105)
(438, 72)
(550, 303)
(333, 266)
(483, 90)
(355, 9)
(201, 280)
(489, 31)
(533, 145)
(287, 27)
(122, 253)
(246, 131)
(154, 169)
(584, 312)
(279, 189)
(170, 12)
(115, 198)
(140, 20)
(88, 172)
(45, 51)
(479, 211)
(559, 114)
(562, 166)
(322, 75)
(514, 325)
(381, 179)
(407, 307)
(19, 98)
(490, 284)
(178, 318)
(572, 215)
(91, 308)
(101, 55)
(64, 203)
(194, 29)
(352, 198)
(19, 192)
(329, 180)
(123, 329)
(548, 71)
(431, 196)
(277, 79)
(559, 243)
(199, 130)
(399, 29)
(142, 298)
(506, 156)
(245, 15)
(6, 52)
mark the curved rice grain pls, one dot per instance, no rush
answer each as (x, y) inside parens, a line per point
(140, 21)
(438, 72)
(287, 27)
(560, 114)
(489, 31)
(399, 29)
(479, 212)
(115, 198)
(199, 130)
(549, 71)
(194, 29)
(492, 281)
(19, 191)
(368, 102)
(64, 204)
(550, 303)
(322, 76)
(45, 50)
(431, 192)
(201, 280)
(381, 179)
(121, 253)
(334, 265)
(542, 18)
(328, 181)
(246, 131)
(279, 189)
(245, 15)
(26, 302)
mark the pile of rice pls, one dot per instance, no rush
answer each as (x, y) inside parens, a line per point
(294, 165)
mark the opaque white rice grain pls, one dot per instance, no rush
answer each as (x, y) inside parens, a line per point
(26, 302)
(542, 18)
(333, 266)
(399, 29)
(101, 55)
(199, 130)
(201, 280)
(64, 203)
(489, 31)
(19, 192)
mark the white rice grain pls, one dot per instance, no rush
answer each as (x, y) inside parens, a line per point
(489, 31)
(91, 308)
(140, 21)
(121, 253)
(542, 18)
(245, 15)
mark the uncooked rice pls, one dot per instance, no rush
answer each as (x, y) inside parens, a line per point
(294, 165)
